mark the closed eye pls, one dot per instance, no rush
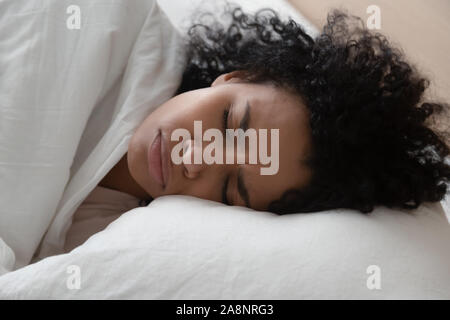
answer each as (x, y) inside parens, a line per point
(224, 191)
(225, 116)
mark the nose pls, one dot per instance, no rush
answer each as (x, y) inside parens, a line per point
(189, 149)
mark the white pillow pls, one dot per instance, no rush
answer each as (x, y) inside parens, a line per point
(181, 247)
(180, 11)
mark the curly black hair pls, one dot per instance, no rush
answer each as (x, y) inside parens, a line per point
(372, 136)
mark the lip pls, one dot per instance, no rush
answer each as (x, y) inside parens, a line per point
(157, 159)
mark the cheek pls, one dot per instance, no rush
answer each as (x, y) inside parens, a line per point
(206, 187)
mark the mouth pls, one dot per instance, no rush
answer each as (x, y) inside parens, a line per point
(157, 160)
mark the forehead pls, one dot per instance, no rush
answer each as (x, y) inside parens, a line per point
(277, 108)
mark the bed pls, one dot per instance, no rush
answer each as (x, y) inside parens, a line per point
(178, 247)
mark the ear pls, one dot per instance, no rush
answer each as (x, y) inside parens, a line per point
(230, 77)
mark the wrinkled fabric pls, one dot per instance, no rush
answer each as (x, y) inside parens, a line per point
(181, 247)
(101, 207)
(70, 100)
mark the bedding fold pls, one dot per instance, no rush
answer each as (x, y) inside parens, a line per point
(70, 100)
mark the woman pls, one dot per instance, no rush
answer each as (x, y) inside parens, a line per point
(354, 131)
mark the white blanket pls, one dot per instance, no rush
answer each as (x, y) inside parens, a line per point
(70, 100)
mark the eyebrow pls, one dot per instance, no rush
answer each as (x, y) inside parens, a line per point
(242, 189)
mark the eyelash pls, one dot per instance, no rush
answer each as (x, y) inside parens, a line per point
(225, 115)
(224, 194)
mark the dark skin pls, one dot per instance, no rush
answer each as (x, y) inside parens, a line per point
(270, 108)
(119, 178)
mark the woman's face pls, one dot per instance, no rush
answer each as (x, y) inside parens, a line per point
(242, 184)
